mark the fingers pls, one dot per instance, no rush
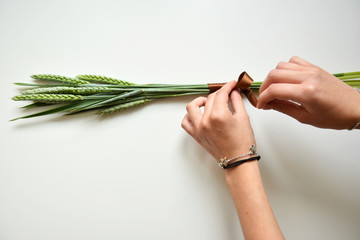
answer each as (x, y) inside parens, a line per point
(281, 76)
(222, 96)
(193, 109)
(228, 87)
(237, 103)
(209, 105)
(280, 91)
(187, 125)
(295, 63)
(300, 61)
(289, 108)
(287, 72)
(194, 116)
(289, 66)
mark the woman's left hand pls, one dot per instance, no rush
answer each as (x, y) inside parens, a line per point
(222, 132)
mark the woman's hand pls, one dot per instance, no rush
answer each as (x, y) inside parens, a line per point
(310, 95)
(224, 133)
(221, 132)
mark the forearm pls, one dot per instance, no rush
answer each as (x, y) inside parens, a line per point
(225, 133)
(253, 208)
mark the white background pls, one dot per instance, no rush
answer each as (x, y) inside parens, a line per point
(137, 174)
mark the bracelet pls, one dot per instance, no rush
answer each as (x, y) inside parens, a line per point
(355, 126)
(224, 162)
(358, 123)
(234, 164)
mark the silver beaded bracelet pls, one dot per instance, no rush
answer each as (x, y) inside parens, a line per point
(224, 162)
(358, 123)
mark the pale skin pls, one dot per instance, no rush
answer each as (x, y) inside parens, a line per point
(311, 95)
(296, 88)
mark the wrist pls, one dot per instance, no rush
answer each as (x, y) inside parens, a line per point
(248, 170)
(228, 162)
(356, 113)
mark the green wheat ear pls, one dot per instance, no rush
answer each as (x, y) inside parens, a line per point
(103, 79)
(48, 98)
(58, 78)
(123, 106)
(70, 90)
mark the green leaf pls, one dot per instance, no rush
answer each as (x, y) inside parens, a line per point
(121, 96)
(37, 104)
(64, 108)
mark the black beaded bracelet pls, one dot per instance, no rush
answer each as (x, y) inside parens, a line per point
(234, 164)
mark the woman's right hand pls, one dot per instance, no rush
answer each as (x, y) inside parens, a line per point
(311, 95)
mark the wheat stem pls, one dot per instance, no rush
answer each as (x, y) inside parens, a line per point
(93, 92)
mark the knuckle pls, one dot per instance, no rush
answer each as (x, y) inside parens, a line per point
(316, 72)
(216, 119)
(310, 90)
(200, 99)
(294, 59)
(188, 106)
(272, 74)
(183, 124)
(211, 95)
(271, 90)
(205, 125)
(281, 65)
(310, 94)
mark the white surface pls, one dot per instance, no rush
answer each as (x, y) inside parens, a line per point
(137, 175)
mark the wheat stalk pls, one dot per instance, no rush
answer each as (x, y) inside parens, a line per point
(86, 92)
